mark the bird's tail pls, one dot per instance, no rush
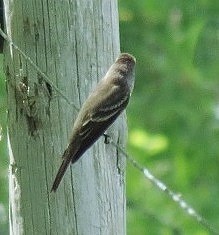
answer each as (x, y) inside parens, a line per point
(62, 169)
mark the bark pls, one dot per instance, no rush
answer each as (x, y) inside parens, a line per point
(74, 43)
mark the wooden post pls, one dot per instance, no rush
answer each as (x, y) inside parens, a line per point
(74, 43)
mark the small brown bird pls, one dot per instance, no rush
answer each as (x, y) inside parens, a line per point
(99, 111)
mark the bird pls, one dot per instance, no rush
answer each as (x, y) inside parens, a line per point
(105, 103)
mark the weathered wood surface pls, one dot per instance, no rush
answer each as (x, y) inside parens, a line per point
(74, 43)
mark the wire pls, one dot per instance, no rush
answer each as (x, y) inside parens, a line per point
(44, 76)
(176, 197)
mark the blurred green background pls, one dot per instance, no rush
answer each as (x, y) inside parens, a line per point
(173, 116)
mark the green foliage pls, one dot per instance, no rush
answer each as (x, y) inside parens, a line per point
(173, 115)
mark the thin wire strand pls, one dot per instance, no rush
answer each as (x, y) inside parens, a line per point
(43, 75)
(176, 197)
(147, 174)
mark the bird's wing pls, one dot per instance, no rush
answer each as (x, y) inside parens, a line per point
(105, 112)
